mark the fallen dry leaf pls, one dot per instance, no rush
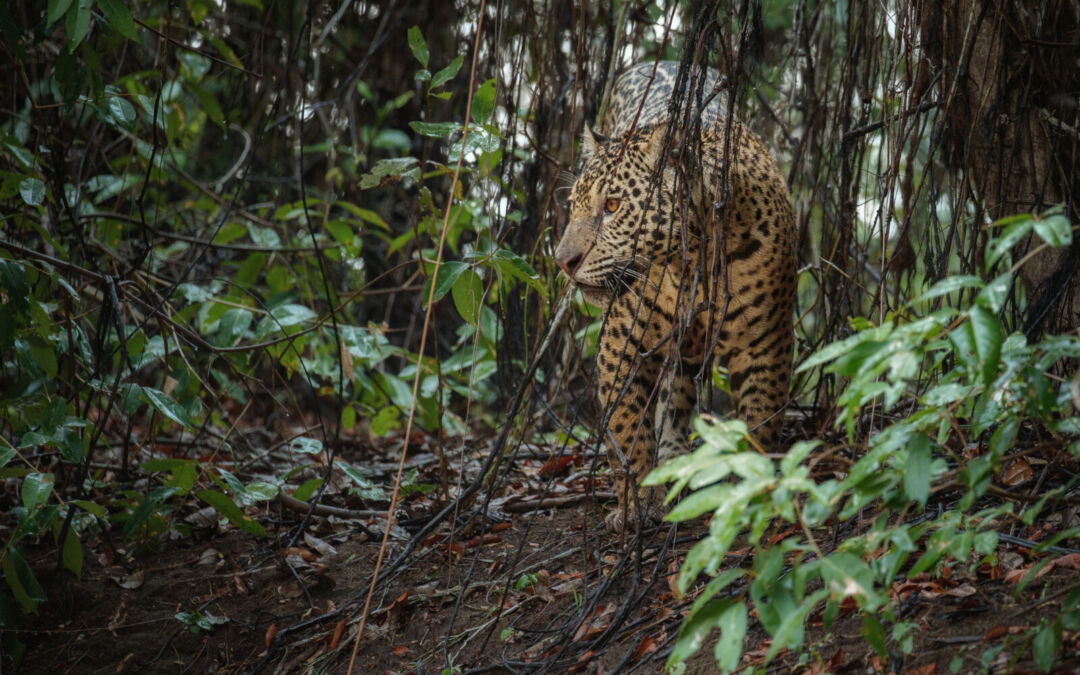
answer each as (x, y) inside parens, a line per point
(339, 630)
(583, 662)
(1016, 472)
(271, 631)
(400, 650)
(594, 624)
(134, 580)
(557, 465)
(209, 557)
(302, 553)
(647, 646)
(396, 611)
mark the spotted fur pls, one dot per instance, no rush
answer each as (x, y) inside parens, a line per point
(691, 249)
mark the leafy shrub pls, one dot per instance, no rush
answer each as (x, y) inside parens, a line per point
(985, 386)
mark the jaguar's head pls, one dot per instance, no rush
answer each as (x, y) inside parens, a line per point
(621, 215)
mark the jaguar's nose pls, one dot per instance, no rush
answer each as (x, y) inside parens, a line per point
(569, 262)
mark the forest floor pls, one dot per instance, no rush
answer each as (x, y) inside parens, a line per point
(532, 587)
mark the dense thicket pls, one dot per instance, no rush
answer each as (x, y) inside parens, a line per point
(222, 227)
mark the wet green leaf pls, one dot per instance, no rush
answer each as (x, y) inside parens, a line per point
(418, 45)
(32, 190)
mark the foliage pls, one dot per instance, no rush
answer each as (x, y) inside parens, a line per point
(985, 389)
(146, 310)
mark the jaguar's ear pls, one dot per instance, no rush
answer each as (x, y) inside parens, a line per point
(590, 141)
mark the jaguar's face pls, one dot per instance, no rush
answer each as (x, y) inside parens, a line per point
(619, 221)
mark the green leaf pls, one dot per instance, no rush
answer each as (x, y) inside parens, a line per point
(702, 501)
(73, 552)
(732, 625)
(20, 579)
(448, 73)
(483, 102)
(309, 487)
(949, 285)
(988, 335)
(435, 129)
(1009, 237)
(119, 17)
(260, 491)
(36, 488)
(122, 111)
(468, 292)
(230, 510)
(32, 190)
(418, 46)
(1054, 230)
(78, 24)
(917, 469)
(57, 9)
(510, 264)
(348, 417)
(384, 169)
(875, 634)
(44, 354)
(165, 404)
(232, 326)
(91, 507)
(1046, 645)
(445, 278)
(693, 631)
(364, 486)
(306, 445)
(993, 296)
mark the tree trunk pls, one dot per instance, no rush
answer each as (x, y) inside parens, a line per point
(1008, 74)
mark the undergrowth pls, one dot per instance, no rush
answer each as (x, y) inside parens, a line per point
(966, 392)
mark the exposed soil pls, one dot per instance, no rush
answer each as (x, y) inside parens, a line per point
(544, 589)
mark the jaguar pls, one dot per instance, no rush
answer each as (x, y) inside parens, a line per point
(682, 228)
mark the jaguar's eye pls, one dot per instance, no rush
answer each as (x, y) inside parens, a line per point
(611, 204)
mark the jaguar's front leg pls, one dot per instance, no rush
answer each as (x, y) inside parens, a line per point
(626, 389)
(674, 409)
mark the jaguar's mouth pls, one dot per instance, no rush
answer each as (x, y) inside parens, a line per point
(594, 295)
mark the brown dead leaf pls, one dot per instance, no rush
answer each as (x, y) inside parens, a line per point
(557, 465)
(962, 591)
(302, 553)
(647, 646)
(270, 633)
(134, 580)
(396, 611)
(582, 664)
(499, 527)
(673, 578)
(928, 669)
(1000, 631)
(400, 650)
(1016, 472)
(346, 361)
(339, 630)
(836, 661)
(1014, 576)
(1069, 561)
(595, 624)
(483, 540)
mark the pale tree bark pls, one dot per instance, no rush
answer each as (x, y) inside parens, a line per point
(1008, 74)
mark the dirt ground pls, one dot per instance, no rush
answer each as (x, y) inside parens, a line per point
(531, 588)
